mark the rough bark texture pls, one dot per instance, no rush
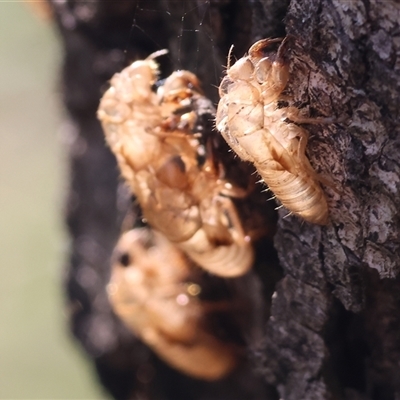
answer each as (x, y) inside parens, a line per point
(332, 328)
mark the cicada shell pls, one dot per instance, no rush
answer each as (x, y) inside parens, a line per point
(255, 127)
(178, 183)
(150, 291)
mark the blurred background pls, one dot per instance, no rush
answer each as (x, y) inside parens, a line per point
(38, 359)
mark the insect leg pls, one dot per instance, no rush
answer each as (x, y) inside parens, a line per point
(295, 115)
(227, 206)
(287, 215)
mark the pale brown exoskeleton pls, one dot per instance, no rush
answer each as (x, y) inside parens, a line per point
(150, 291)
(171, 171)
(255, 127)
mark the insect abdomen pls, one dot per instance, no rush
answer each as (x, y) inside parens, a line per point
(300, 194)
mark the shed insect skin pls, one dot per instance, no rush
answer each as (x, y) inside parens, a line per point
(249, 119)
(158, 154)
(150, 291)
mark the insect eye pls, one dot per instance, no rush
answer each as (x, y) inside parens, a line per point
(225, 85)
(116, 112)
(190, 81)
(125, 259)
(180, 82)
(263, 70)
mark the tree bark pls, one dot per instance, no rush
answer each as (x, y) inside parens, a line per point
(331, 329)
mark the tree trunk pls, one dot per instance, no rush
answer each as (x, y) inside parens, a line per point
(332, 328)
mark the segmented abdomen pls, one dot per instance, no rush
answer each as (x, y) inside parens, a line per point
(301, 194)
